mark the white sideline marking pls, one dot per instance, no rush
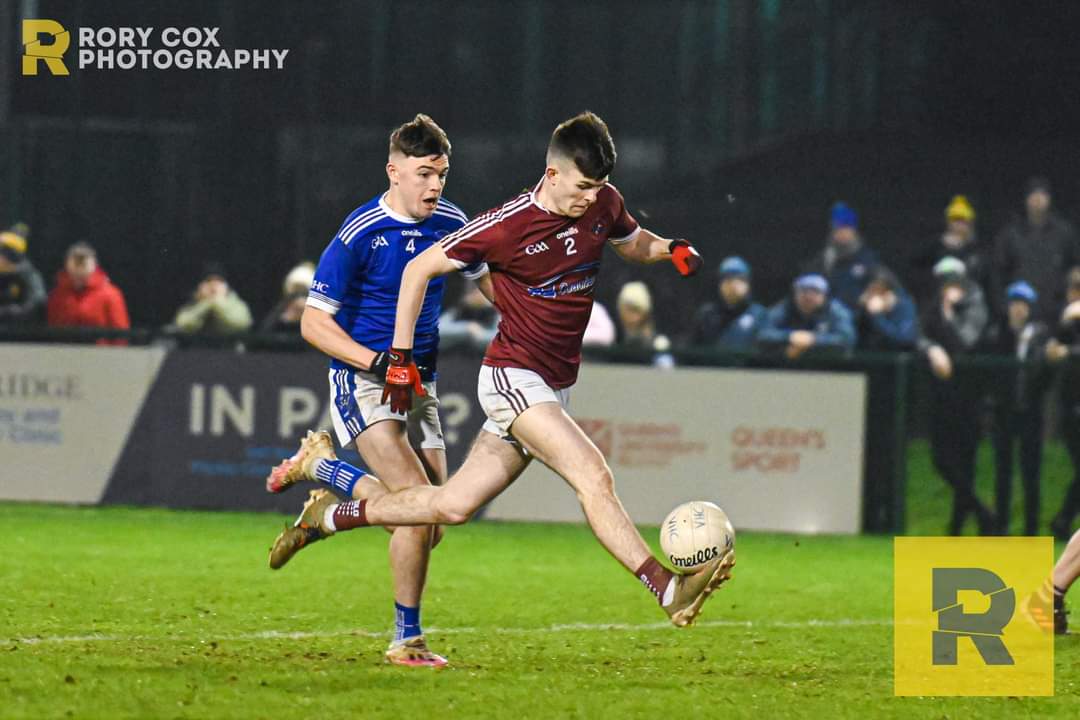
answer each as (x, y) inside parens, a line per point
(551, 629)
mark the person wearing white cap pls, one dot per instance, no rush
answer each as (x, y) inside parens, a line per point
(636, 325)
(285, 316)
(953, 326)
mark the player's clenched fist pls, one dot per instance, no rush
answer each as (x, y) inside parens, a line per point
(402, 380)
(685, 258)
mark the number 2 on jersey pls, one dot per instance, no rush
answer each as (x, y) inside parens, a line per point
(570, 250)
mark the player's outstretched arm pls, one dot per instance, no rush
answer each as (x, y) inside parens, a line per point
(402, 375)
(414, 281)
(648, 247)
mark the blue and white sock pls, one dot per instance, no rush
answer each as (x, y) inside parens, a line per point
(406, 622)
(338, 475)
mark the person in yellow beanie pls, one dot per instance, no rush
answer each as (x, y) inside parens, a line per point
(958, 240)
(22, 290)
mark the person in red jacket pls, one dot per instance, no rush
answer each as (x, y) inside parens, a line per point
(84, 296)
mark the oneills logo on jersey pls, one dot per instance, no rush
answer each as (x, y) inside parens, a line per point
(557, 285)
(567, 233)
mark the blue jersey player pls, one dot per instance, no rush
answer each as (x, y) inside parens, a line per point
(350, 316)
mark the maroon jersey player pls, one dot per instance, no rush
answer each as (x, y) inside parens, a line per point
(543, 249)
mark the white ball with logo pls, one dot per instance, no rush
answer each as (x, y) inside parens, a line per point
(694, 533)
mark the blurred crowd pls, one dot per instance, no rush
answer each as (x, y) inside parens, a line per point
(1016, 297)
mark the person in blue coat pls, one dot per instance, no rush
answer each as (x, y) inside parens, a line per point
(846, 262)
(732, 322)
(886, 319)
(808, 320)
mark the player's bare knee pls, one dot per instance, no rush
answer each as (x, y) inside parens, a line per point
(452, 511)
(456, 515)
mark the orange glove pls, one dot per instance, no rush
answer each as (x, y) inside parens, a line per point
(685, 258)
(402, 380)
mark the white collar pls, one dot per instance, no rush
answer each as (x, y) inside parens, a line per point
(396, 216)
(535, 200)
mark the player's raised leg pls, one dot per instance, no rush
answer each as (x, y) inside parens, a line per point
(555, 439)
(491, 466)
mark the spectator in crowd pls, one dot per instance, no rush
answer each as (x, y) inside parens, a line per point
(1064, 349)
(600, 332)
(1038, 248)
(285, 316)
(1018, 404)
(959, 240)
(214, 309)
(85, 297)
(472, 322)
(732, 321)
(846, 262)
(636, 327)
(952, 328)
(808, 320)
(886, 318)
(22, 291)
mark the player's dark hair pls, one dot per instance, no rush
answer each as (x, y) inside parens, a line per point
(420, 137)
(585, 139)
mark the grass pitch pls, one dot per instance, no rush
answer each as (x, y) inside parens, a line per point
(134, 613)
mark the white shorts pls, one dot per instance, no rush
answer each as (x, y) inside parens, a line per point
(505, 393)
(356, 403)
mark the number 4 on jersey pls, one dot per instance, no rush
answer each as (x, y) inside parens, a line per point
(411, 247)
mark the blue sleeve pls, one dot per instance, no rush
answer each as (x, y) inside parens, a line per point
(340, 263)
(761, 316)
(900, 326)
(772, 330)
(841, 333)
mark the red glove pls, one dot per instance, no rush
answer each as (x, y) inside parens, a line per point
(402, 380)
(685, 258)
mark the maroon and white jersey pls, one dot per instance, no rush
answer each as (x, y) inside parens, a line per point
(544, 267)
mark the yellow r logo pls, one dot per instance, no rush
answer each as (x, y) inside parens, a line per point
(34, 52)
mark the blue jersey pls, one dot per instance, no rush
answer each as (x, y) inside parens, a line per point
(359, 275)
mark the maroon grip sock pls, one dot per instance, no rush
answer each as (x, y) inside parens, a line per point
(351, 514)
(654, 576)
